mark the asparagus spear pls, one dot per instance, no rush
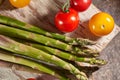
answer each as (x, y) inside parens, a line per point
(18, 60)
(16, 23)
(66, 55)
(13, 32)
(19, 48)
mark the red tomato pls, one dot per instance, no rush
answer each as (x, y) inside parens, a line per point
(80, 5)
(31, 79)
(67, 21)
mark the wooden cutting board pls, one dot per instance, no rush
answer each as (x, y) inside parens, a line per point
(41, 13)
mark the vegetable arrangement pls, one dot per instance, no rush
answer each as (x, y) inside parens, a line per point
(67, 20)
(28, 45)
(23, 39)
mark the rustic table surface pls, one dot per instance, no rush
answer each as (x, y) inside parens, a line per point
(41, 13)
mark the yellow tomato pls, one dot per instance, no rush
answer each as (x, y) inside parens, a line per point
(101, 24)
(19, 3)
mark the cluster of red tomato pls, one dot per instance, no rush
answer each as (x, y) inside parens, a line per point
(68, 21)
(100, 24)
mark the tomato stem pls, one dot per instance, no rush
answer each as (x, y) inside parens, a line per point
(66, 6)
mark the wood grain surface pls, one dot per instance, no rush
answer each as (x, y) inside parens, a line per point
(41, 13)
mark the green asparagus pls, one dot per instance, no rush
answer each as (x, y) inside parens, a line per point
(19, 48)
(13, 32)
(65, 55)
(16, 23)
(5, 56)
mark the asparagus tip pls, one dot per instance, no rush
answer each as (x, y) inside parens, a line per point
(84, 77)
(91, 52)
(98, 61)
(84, 42)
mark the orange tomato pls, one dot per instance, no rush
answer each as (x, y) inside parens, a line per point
(19, 3)
(101, 24)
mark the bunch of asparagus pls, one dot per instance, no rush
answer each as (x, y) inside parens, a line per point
(23, 39)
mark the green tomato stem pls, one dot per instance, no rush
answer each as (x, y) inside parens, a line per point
(66, 6)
